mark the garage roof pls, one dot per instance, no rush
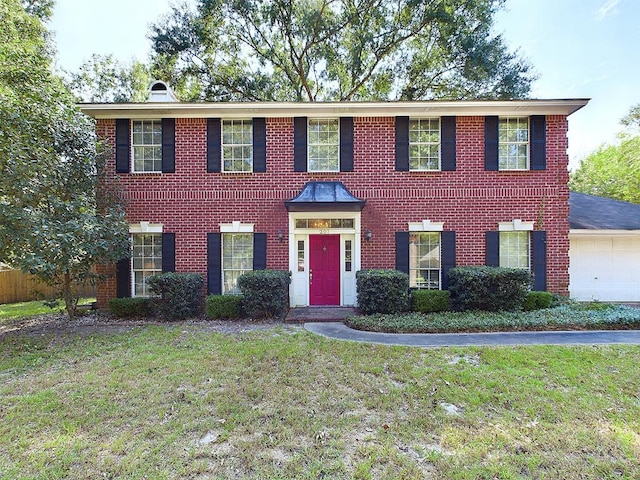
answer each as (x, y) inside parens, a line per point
(598, 213)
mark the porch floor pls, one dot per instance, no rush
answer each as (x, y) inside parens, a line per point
(319, 314)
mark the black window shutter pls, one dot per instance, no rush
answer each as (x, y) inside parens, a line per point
(402, 144)
(492, 245)
(214, 263)
(539, 260)
(123, 278)
(259, 145)
(538, 142)
(346, 144)
(168, 252)
(448, 143)
(402, 251)
(491, 143)
(448, 256)
(300, 144)
(168, 145)
(214, 152)
(123, 137)
(259, 251)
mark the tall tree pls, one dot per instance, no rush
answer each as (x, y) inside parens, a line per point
(52, 222)
(314, 50)
(613, 171)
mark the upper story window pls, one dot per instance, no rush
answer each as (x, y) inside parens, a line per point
(323, 145)
(513, 143)
(146, 145)
(424, 144)
(237, 146)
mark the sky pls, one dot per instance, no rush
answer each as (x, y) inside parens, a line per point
(578, 49)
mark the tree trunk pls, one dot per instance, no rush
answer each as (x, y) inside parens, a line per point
(70, 302)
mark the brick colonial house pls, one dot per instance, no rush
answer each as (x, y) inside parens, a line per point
(327, 189)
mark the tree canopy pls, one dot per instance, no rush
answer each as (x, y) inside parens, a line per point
(52, 222)
(613, 171)
(315, 50)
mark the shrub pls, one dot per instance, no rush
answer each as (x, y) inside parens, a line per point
(488, 288)
(538, 300)
(382, 291)
(265, 293)
(131, 307)
(177, 295)
(224, 306)
(427, 301)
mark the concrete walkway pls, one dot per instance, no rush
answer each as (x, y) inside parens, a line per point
(339, 331)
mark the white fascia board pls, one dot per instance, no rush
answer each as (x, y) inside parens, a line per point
(586, 232)
(337, 109)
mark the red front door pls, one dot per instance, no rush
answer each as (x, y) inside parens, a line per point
(324, 269)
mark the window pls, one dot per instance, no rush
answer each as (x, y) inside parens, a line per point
(424, 260)
(348, 255)
(324, 145)
(147, 146)
(514, 249)
(237, 258)
(146, 260)
(513, 143)
(424, 144)
(237, 146)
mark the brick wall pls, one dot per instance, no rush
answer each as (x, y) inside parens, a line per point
(470, 200)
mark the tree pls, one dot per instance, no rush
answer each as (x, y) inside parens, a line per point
(53, 222)
(345, 50)
(613, 171)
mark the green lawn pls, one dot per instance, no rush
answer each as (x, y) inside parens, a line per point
(174, 402)
(10, 311)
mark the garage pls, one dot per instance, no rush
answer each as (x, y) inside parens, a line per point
(604, 249)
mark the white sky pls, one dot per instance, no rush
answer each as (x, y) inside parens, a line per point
(579, 48)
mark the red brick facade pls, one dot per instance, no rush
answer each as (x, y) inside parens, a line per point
(469, 200)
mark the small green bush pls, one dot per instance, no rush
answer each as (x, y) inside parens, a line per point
(382, 291)
(265, 293)
(427, 301)
(177, 295)
(131, 307)
(538, 300)
(224, 306)
(488, 288)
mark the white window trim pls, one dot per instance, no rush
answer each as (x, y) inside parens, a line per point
(515, 225)
(309, 145)
(136, 229)
(145, 227)
(133, 160)
(222, 144)
(427, 269)
(439, 143)
(527, 143)
(426, 226)
(222, 265)
(236, 227)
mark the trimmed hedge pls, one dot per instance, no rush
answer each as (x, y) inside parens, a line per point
(538, 300)
(427, 301)
(177, 295)
(382, 291)
(131, 307)
(265, 293)
(224, 306)
(488, 288)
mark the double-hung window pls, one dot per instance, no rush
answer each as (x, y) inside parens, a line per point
(424, 144)
(424, 260)
(146, 260)
(323, 145)
(146, 145)
(237, 146)
(513, 143)
(515, 249)
(237, 258)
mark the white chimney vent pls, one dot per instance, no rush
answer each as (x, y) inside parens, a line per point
(159, 91)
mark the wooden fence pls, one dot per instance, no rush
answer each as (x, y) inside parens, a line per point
(16, 286)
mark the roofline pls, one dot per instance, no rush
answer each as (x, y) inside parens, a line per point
(333, 109)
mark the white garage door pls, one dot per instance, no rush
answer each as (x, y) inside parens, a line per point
(605, 267)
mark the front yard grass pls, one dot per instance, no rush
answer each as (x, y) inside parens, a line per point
(177, 401)
(11, 311)
(566, 317)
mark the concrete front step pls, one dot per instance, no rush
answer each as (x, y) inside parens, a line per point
(319, 314)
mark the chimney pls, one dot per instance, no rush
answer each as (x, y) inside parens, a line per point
(159, 91)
